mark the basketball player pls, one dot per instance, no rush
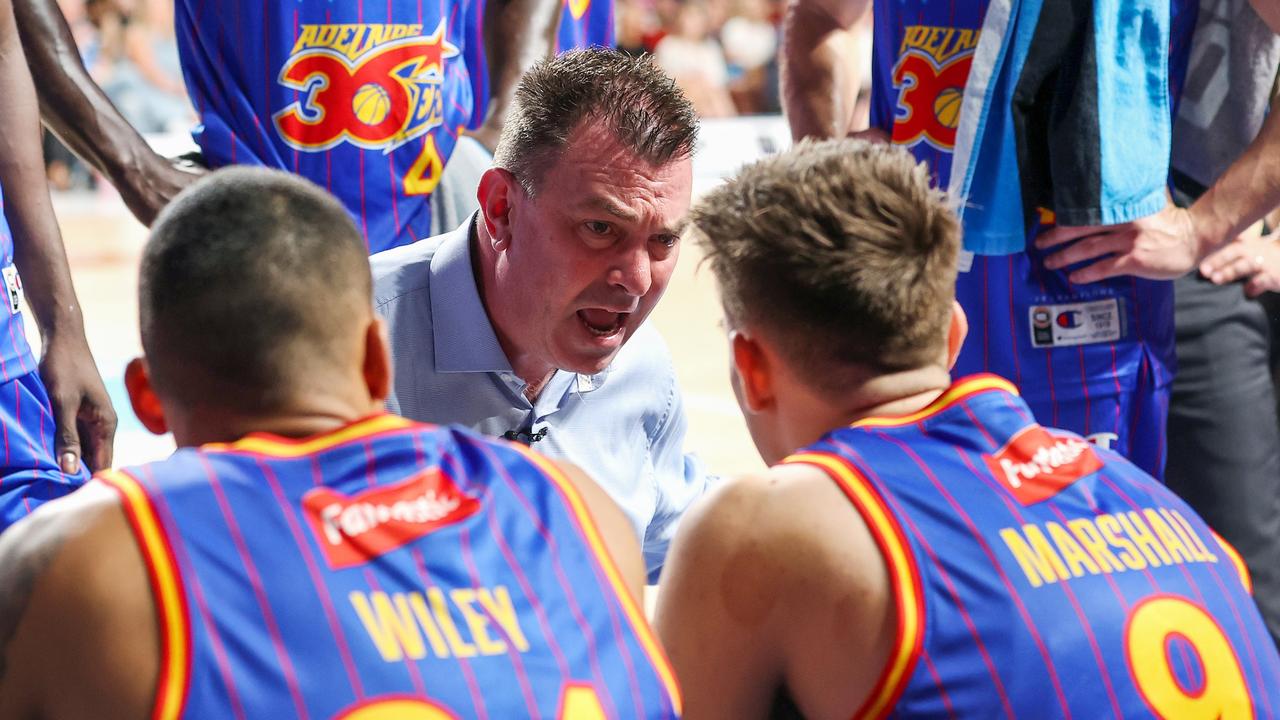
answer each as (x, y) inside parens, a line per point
(305, 554)
(365, 99)
(585, 23)
(922, 547)
(47, 437)
(1089, 343)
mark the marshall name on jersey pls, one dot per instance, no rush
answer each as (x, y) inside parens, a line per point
(1036, 575)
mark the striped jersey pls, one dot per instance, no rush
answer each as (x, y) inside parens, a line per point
(16, 359)
(1065, 346)
(585, 23)
(365, 99)
(1036, 575)
(385, 570)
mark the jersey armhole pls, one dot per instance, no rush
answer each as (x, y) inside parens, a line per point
(904, 578)
(167, 593)
(587, 527)
(1236, 561)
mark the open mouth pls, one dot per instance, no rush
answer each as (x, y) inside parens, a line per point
(602, 323)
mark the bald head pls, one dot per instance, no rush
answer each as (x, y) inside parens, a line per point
(254, 287)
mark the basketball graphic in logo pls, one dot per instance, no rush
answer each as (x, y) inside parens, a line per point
(947, 107)
(371, 103)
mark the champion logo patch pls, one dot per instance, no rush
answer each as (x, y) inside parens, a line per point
(1036, 464)
(352, 530)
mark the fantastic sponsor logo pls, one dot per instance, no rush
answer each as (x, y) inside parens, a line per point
(1036, 464)
(353, 530)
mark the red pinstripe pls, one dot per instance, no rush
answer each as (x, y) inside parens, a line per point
(937, 683)
(522, 675)
(593, 652)
(468, 675)
(995, 565)
(544, 624)
(313, 570)
(943, 575)
(255, 582)
(415, 677)
(191, 581)
(1013, 330)
(1230, 600)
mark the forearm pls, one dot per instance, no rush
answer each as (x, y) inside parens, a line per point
(38, 249)
(1245, 193)
(517, 33)
(72, 105)
(821, 70)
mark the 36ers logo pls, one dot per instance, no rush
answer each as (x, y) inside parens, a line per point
(932, 68)
(374, 86)
(354, 530)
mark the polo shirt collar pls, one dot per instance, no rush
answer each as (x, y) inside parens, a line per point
(464, 336)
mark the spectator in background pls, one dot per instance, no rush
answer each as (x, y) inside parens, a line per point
(695, 59)
(136, 63)
(750, 43)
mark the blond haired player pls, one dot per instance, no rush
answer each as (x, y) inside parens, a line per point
(921, 546)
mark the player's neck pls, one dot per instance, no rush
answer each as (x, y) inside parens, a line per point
(315, 416)
(896, 394)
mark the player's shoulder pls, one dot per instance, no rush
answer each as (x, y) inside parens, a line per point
(73, 570)
(792, 520)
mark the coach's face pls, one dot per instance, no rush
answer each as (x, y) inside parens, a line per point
(592, 252)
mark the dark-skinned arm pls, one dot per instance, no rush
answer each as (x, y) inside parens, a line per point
(517, 33)
(79, 113)
(82, 411)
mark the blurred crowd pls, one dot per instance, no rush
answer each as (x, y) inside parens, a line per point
(723, 53)
(129, 48)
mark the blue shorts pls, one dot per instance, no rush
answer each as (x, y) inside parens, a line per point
(29, 474)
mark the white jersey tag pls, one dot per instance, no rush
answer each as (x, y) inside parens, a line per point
(13, 285)
(1080, 323)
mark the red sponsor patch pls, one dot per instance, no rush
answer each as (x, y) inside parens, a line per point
(1036, 464)
(354, 530)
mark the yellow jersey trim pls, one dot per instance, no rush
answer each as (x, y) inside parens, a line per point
(280, 447)
(166, 587)
(904, 578)
(966, 388)
(630, 608)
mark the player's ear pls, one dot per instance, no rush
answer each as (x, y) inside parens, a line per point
(752, 372)
(956, 333)
(377, 360)
(496, 191)
(146, 404)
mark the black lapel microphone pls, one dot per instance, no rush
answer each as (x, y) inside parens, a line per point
(522, 436)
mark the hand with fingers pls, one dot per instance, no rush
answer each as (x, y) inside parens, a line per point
(82, 412)
(1254, 259)
(1162, 246)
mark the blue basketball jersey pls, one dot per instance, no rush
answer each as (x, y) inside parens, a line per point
(385, 570)
(1096, 359)
(365, 99)
(585, 23)
(15, 355)
(1036, 575)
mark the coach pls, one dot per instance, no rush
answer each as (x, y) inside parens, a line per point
(528, 321)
